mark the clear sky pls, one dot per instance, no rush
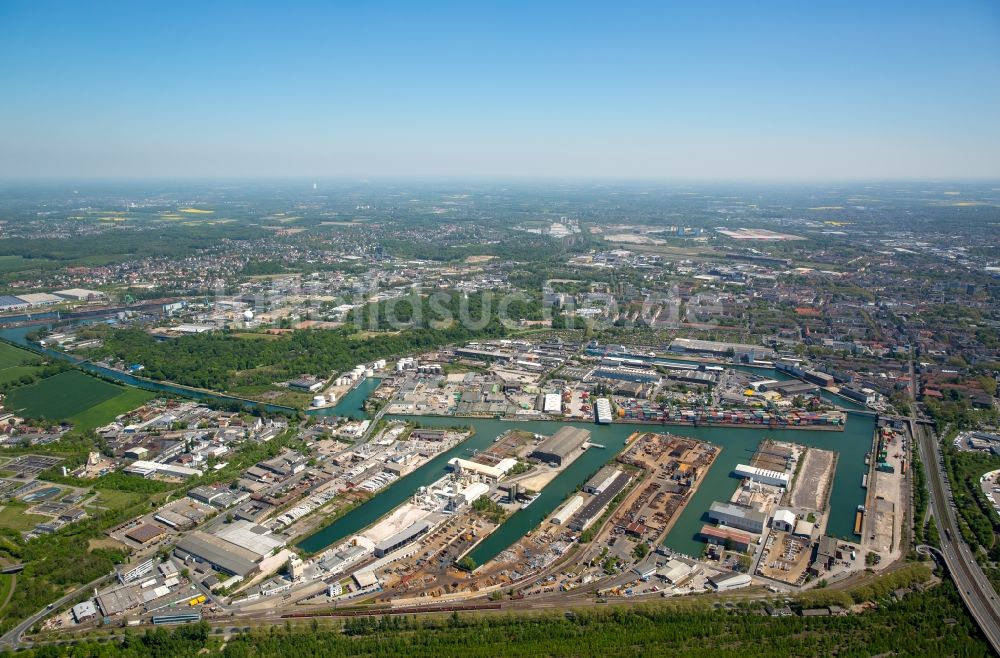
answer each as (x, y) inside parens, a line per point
(657, 90)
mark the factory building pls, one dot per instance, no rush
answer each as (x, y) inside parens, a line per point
(468, 495)
(148, 469)
(602, 411)
(736, 540)
(566, 512)
(729, 581)
(491, 474)
(762, 475)
(735, 516)
(602, 480)
(593, 510)
(79, 294)
(863, 395)
(560, 445)
(235, 548)
(691, 345)
(128, 573)
(625, 373)
(402, 538)
(816, 377)
(552, 403)
(793, 388)
(784, 520)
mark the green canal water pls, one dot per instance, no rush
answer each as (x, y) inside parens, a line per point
(737, 446)
(350, 405)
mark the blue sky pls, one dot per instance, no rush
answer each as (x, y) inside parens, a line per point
(659, 90)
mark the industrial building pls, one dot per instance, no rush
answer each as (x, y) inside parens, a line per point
(468, 495)
(560, 445)
(691, 345)
(602, 411)
(84, 611)
(402, 538)
(306, 384)
(863, 395)
(552, 404)
(145, 533)
(40, 298)
(792, 388)
(627, 374)
(762, 475)
(729, 581)
(735, 516)
(784, 520)
(601, 480)
(79, 294)
(148, 469)
(674, 571)
(235, 548)
(128, 573)
(731, 538)
(10, 303)
(566, 512)
(593, 510)
(491, 474)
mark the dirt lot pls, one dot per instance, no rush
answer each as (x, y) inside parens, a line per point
(812, 485)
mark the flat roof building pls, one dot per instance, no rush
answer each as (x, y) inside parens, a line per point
(762, 475)
(735, 516)
(217, 553)
(738, 540)
(145, 533)
(487, 473)
(729, 581)
(402, 538)
(593, 509)
(601, 480)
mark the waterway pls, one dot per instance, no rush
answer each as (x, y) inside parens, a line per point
(738, 445)
(350, 405)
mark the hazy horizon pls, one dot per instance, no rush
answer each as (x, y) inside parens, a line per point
(779, 92)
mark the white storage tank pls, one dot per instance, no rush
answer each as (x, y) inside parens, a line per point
(319, 400)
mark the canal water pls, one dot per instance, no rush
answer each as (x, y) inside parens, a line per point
(352, 404)
(738, 445)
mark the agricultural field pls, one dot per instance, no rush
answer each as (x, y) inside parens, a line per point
(74, 395)
(107, 411)
(12, 360)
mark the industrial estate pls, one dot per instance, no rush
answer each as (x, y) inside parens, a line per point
(336, 420)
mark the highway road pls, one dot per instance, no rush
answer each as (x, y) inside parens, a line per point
(12, 638)
(976, 591)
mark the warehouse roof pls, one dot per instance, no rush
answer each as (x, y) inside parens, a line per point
(248, 535)
(563, 442)
(217, 552)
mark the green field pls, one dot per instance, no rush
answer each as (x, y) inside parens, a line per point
(74, 394)
(107, 411)
(11, 363)
(11, 356)
(13, 516)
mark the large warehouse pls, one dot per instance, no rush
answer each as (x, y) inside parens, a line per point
(762, 475)
(235, 548)
(403, 537)
(560, 445)
(735, 516)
